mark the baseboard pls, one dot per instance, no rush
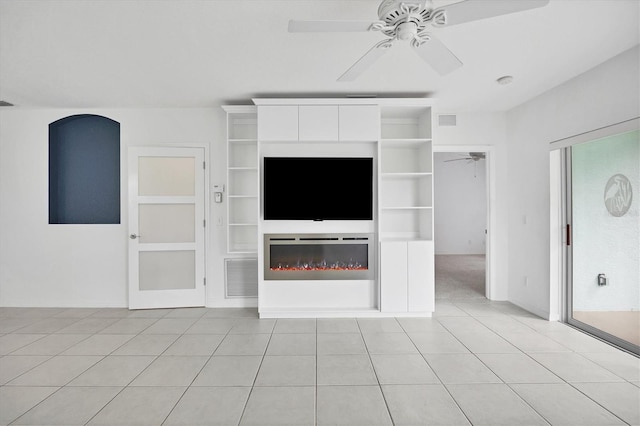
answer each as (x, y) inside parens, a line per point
(538, 312)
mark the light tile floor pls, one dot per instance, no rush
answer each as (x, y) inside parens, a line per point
(475, 362)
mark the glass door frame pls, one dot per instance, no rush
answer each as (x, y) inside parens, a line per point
(565, 146)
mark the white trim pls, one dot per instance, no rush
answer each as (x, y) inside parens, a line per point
(556, 235)
(592, 135)
(405, 102)
(491, 282)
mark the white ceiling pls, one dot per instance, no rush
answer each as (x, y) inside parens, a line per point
(203, 53)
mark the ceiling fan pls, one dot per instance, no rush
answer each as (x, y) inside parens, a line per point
(472, 157)
(413, 21)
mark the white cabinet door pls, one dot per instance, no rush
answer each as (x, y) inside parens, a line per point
(406, 276)
(393, 276)
(359, 122)
(420, 276)
(278, 123)
(318, 122)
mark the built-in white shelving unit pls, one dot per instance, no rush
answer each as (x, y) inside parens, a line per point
(406, 174)
(397, 134)
(242, 179)
(406, 209)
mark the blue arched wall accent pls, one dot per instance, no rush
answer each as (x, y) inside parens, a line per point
(84, 170)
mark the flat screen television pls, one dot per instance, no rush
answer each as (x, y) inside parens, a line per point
(318, 188)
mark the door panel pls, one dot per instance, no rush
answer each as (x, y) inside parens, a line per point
(166, 227)
(605, 242)
(152, 220)
(166, 175)
(167, 270)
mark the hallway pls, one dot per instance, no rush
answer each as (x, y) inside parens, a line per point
(460, 276)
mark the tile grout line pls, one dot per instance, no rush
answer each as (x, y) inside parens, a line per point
(253, 385)
(386, 404)
(72, 379)
(538, 363)
(436, 374)
(494, 373)
(194, 377)
(137, 375)
(128, 385)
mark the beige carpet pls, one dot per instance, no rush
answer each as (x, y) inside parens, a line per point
(460, 276)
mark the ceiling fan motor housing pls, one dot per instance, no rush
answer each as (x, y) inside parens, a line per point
(407, 20)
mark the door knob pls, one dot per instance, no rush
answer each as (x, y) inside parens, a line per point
(134, 236)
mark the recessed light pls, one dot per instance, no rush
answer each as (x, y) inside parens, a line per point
(504, 80)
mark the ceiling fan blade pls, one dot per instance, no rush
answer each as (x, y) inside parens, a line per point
(436, 54)
(366, 61)
(473, 10)
(328, 26)
(457, 159)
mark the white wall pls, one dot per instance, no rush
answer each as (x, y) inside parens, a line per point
(607, 94)
(461, 198)
(84, 265)
(488, 131)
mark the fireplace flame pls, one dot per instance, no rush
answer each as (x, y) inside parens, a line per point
(323, 265)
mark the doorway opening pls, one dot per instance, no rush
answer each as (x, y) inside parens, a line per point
(461, 224)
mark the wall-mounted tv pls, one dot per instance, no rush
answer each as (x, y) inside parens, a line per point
(318, 188)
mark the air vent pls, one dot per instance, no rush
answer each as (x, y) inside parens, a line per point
(241, 278)
(447, 120)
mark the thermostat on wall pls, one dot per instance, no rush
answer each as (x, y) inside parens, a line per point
(218, 189)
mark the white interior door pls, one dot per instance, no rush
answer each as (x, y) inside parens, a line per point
(166, 227)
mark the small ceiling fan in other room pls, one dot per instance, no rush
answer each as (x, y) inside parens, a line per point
(415, 21)
(473, 157)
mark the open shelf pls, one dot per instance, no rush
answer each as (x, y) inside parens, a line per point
(405, 123)
(242, 179)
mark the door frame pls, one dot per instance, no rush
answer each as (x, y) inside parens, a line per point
(490, 261)
(206, 201)
(561, 249)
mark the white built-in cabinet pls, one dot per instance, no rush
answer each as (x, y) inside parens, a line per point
(318, 123)
(278, 123)
(405, 271)
(359, 122)
(401, 134)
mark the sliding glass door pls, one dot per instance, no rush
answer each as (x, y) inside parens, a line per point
(603, 188)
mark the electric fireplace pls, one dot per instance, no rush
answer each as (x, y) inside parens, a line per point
(318, 257)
